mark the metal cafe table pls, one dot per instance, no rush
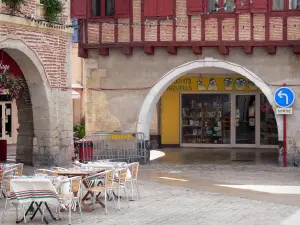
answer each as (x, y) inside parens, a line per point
(83, 174)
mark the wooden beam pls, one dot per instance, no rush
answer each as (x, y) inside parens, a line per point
(172, 50)
(103, 51)
(224, 50)
(248, 49)
(197, 50)
(149, 50)
(272, 50)
(127, 50)
(83, 52)
(297, 49)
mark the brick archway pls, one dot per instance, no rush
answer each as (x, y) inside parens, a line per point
(159, 88)
(34, 105)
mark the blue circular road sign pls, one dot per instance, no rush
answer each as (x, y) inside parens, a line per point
(284, 97)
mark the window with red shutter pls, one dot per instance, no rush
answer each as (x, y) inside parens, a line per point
(150, 8)
(158, 7)
(165, 7)
(194, 6)
(78, 9)
(122, 8)
(259, 6)
(245, 7)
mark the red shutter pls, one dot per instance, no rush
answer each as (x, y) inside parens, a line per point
(165, 7)
(243, 8)
(259, 6)
(79, 9)
(122, 8)
(194, 6)
(150, 7)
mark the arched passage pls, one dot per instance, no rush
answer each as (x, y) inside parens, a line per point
(159, 88)
(34, 111)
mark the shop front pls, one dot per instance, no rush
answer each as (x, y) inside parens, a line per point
(217, 111)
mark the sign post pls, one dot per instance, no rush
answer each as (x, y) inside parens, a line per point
(284, 97)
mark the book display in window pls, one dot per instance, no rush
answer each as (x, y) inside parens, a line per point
(205, 119)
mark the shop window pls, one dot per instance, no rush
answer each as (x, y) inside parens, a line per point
(294, 4)
(278, 5)
(268, 125)
(205, 118)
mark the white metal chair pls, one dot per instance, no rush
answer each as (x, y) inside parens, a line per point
(73, 196)
(7, 176)
(97, 186)
(121, 184)
(134, 168)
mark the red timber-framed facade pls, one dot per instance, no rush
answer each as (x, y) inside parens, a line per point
(174, 23)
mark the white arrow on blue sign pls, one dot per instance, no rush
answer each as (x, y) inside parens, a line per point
(284, 97)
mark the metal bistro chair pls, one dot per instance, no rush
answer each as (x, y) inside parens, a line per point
(8, 175)
(120, 180)
(134, 168)
(96, 186)
(73, 196)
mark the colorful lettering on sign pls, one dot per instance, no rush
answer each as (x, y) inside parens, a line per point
(213, 84)
(184, 84)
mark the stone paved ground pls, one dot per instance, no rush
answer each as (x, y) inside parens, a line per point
(170, 204)
(162, 204)
(166, 202)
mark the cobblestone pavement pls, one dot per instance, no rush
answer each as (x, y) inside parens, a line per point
(174, 203)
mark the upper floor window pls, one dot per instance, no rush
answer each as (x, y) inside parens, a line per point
(285, 4)
(278, 5)
(294, 4)
(225, 5)
(102, 8)
(83, 9)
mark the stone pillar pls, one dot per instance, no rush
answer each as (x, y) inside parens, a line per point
(26, 133)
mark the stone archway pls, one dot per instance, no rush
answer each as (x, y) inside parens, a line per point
(34, 107)
(159, 88)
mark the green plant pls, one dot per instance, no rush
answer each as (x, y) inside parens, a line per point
(13, 84)
(52, 10)
(13, 5)
(79, 129)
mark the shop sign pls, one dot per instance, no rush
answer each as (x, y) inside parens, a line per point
(213, 84)
(184, 84)
(3, 67)
(284, 111)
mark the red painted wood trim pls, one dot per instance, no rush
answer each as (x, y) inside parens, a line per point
(297, 49)
(116, 30)
(220, 29)
(142, 21)
(174, 21)
(195, 43)
(236, 26)
(100, 33)
(131, 21)
(284, 29)
(86, 32)
(158, 29)
(189, 28)
(202, 28)
(252, 27)
(267, 27)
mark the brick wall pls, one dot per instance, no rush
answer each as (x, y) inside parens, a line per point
(242, 22)
(50, 46)
(33, 7)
